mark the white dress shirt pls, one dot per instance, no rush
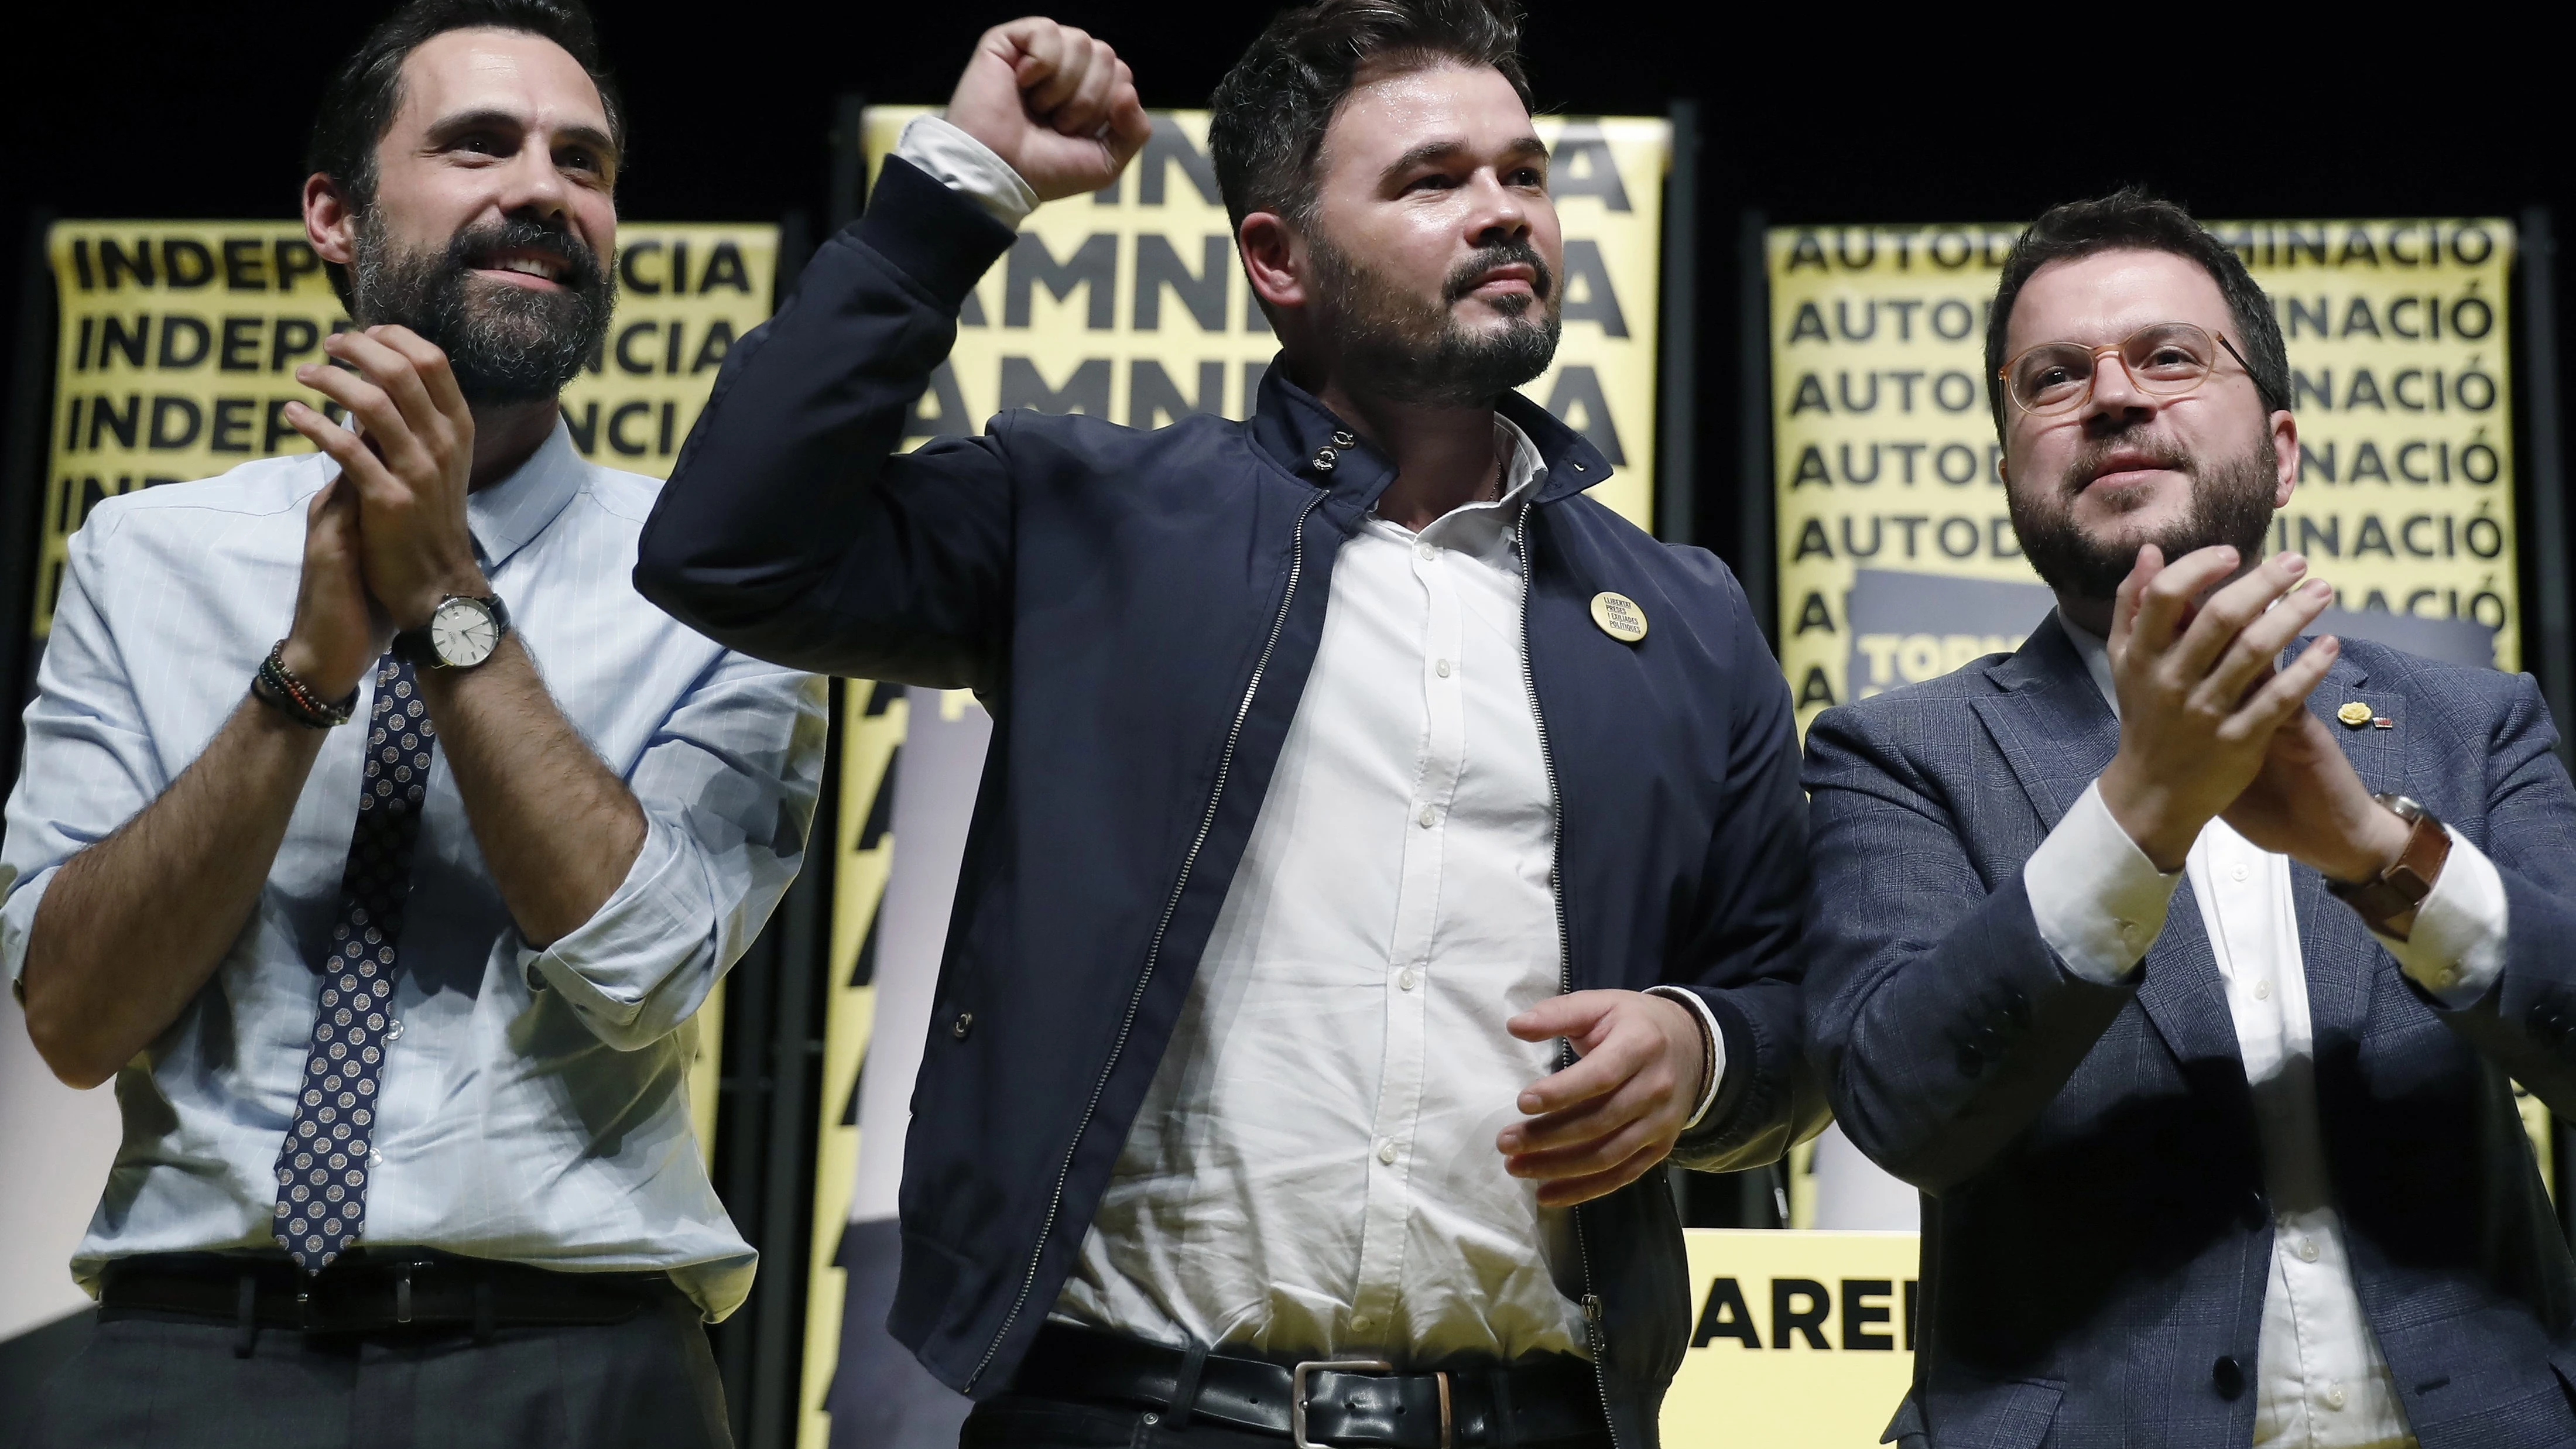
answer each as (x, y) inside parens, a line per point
(533, 1105)
(1313, 1170)
(2320, 1382)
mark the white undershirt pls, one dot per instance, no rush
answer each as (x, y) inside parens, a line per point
(2100, 903)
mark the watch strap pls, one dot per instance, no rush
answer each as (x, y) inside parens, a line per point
(2387, 901)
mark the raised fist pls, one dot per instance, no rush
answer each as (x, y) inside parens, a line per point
(1059, 106)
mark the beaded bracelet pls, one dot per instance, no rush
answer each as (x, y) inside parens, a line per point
(277, 685)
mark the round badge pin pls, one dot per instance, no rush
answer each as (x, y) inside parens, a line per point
(1619, 617)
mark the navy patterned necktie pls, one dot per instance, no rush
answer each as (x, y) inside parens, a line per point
(322, 1170)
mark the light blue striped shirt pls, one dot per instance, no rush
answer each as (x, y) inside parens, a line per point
(534, 1108)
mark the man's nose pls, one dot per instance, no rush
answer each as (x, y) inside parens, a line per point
(2117, 399)
(531, 185)
(1498, 215)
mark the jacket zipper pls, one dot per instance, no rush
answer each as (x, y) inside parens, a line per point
(1594, 1332)
(1154, 951)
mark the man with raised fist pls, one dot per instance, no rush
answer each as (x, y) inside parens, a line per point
(1346, 760)
(381, 844)
(2184, 962)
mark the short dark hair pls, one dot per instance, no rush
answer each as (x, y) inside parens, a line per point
(2135, 219)
(1269, 114)
(358, 105)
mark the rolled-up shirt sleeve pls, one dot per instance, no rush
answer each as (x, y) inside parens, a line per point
(728, 788)
(2100, 903)
(89, 765)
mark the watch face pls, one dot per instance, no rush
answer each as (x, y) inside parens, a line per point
(464, 633)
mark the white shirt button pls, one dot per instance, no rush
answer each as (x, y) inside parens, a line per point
(1426, 550)
(2238, 871)
(2262, 991)
(1362, 1323)
(2446, 978)
(2307, 1250)
(2334, 1396)
(2128, 930)
(1441, 668)
(1428, 818)
(1407, 979)
(1386, 1150)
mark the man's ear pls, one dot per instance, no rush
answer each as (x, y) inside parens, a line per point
(1273, 259)
(329, 221)
(2285, 449)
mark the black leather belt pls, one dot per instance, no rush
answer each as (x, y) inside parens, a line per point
(1328, 1404)
(370, 1291)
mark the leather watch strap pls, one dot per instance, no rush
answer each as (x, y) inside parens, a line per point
(2387, 902)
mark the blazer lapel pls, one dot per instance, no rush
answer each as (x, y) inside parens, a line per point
(2056, 734)
(2049, 722)
(2341, 957)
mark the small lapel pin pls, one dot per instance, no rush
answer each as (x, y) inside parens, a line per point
(2382, 722)
(1619, 617)
(2355, 715)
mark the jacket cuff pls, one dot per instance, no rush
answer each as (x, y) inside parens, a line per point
(1712, 1047)
(940, 238)
(1742, 1099)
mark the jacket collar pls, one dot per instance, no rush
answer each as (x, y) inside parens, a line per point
(1294, 427)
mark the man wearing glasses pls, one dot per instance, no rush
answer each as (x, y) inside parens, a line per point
(2185, 963)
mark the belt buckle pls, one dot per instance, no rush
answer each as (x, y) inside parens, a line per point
(1297, 1394)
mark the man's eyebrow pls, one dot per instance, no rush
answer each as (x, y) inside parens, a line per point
(447, 128)
(1433, 152)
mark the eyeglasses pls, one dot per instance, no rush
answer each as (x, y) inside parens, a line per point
(2163, 359)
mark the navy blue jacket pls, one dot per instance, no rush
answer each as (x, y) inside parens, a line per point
(2096, 1239)
(1139, 610)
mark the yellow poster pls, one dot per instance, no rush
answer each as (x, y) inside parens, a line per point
(1797, 1338)
(1129, 304)
(1897, 560)
(179, 341)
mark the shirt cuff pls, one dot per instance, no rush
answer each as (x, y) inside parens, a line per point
(2099, 901)
(18, 921)
(2456, 949)
(968, 167)
(1710, 1037)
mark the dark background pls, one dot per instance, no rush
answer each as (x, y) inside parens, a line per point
(1814, 113)
(1817, 112)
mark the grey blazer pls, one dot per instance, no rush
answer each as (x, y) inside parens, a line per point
(2095, 1237)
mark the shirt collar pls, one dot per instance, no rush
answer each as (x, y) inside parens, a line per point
(2096, 654)
(506, 515)
(1524, 473)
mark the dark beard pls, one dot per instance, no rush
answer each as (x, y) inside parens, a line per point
(505, 344)
(2231, 503)
(1390, 344)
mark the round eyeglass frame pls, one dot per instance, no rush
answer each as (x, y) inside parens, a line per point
(2120, 349)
